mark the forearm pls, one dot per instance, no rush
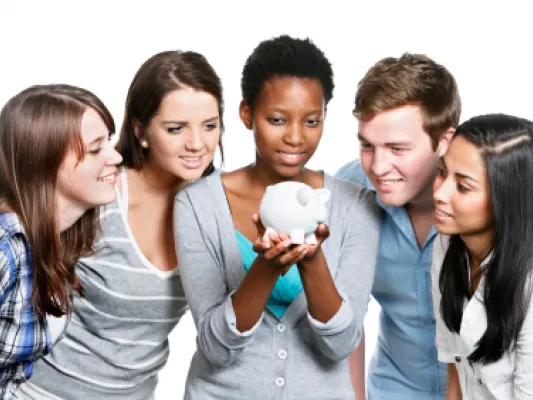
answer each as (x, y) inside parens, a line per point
(323, 299)
(250, 299)
(453, 388)
(356, 361)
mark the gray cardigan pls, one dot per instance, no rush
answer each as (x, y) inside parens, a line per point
(295, 357)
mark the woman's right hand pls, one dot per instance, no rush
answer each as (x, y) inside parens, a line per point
(277, 249)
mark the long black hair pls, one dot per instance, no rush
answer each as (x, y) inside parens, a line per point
(506, 146)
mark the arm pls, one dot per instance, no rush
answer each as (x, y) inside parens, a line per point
(225, 324)
(356, 360)
(453, 389)
(338, 337)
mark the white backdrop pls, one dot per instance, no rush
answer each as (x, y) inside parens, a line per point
(100, 44)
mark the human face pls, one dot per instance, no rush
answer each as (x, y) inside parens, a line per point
(461, 191)
(89, 182)
(397, 156)
(183, 135)
(287, 120)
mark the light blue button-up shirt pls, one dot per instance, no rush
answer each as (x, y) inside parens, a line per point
(404, 365)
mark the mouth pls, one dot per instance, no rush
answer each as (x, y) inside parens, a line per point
(192, 161)
(442, 215)
(291, 158)
(387, 184)
(110, 179)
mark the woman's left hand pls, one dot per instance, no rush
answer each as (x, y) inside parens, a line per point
(321, 233)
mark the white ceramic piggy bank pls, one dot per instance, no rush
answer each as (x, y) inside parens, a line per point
(295, 209)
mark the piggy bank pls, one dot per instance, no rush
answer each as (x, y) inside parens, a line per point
(295, 209)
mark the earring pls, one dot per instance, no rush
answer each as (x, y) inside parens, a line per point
(144, 144)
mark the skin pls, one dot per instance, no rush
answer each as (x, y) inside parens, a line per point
(287, 123)
(87, 183)
(398, 157)
(181, 140)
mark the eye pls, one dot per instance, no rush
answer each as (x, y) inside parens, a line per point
(313, 122)
(462, 188)
(275, 121)
(365, 146)
(398, 149)
(94, 151)
(211, 126)
(175, 129)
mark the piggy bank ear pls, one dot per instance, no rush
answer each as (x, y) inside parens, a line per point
(323, 195)
(303, 195)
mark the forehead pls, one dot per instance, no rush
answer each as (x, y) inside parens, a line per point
(290, 93)
(92, 126)
(464, 158)
(402, 124)
(187, 104)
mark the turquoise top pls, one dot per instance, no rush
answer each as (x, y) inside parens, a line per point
(287, 286)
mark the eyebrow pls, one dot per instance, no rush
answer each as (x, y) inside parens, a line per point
(280, 110)
(96, 140)
(390, 144)
(458, 174)
(176, 122)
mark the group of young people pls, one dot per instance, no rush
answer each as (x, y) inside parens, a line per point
(102, 248)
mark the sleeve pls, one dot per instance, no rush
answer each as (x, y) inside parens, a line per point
(523, 377)
(205, 288)
(339, 337)
(444, 339)
(9, 309)
(353, 172)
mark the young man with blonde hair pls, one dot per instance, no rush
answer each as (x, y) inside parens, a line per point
(407, 109)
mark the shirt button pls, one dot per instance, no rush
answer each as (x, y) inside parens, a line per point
(280, 328)
(457, 359)
(280, 381)
(282, 354)
(480, 381)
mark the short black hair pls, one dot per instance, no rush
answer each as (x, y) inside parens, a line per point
(285, 56)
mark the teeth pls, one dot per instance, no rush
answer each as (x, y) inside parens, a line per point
(190, 158)
(107, 179)
(443, 214)
(389, 182)
(291, 155)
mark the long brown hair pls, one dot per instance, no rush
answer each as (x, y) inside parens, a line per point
(159, 75)
(38, 127)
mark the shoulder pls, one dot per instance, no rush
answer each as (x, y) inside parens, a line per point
(353, 172)
(12, 251)
(440, 246)
(203, 190)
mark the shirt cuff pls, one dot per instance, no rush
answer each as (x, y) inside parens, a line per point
(231, 319)
(339, 322)
(445, 356)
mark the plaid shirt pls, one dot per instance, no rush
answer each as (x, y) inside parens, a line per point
(23, 334)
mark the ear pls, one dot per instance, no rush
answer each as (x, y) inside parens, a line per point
(245, 112)
(444, 142)
(137, 129)
(303, 195)
(323, 195)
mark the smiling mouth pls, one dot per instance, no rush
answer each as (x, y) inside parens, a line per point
(443, 214)
(110, 178)
(389, 182)
(191, 158)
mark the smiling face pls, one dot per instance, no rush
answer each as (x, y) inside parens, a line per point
(183, 135)
(461, 191)
(398, 157)
(89, 182)
(287, 120)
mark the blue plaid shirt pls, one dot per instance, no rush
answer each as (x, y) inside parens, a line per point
(23, 334)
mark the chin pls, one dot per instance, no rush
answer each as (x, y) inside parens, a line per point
(392, 199)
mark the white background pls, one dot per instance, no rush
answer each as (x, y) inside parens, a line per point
(99, 45)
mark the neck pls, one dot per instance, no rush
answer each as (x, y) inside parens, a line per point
(154, 180)
(264, 175)
(478, 246)
(423, 202)
(68, 213)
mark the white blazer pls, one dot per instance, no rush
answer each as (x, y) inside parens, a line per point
(511, 377)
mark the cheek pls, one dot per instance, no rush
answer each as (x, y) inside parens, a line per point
(366, 158)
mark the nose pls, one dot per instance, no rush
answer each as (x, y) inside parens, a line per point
(381, 162)
(442, 189)
(294, 135)
(114, 157)
(194, 141)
